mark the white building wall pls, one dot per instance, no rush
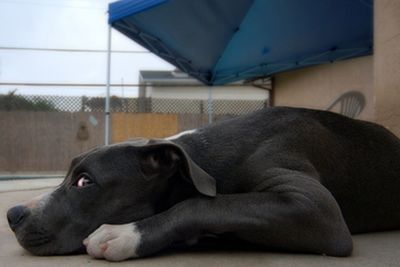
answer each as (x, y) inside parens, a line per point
(201, 93)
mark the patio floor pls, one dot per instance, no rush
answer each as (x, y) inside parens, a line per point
(377, 249)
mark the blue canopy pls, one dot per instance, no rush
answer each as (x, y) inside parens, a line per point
(221, 41)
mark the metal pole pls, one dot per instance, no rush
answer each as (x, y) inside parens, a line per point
(210, 105)
(107, 102)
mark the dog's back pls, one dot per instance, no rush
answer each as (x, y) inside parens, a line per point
(357, 161)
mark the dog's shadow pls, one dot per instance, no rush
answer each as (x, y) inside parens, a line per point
(214, 245)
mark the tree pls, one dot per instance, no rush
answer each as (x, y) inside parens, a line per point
(11, 101)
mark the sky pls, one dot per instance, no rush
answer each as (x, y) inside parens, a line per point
(66, 24)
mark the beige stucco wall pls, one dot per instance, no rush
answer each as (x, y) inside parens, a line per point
(317, 87)
(387, 63)
(376, 76)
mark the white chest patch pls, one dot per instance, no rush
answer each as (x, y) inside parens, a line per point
(181, 134)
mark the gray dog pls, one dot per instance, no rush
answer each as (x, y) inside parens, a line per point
(282, 178)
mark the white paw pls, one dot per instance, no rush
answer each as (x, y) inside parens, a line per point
(113, 242)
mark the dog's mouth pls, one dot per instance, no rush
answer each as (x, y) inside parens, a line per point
(38, 241)
(42, 229)
(44, 244)
(41, 238)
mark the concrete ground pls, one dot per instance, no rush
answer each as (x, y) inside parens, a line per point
(377, 249)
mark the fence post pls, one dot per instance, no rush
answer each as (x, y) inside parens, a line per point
(107, 100)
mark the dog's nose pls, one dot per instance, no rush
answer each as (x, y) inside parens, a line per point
(16, 216)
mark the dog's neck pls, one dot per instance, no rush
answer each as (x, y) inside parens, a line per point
(177, 190)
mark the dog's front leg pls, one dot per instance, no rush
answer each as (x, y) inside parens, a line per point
(113, 242)
(145, 237)
(296, 215)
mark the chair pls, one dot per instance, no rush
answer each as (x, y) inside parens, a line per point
(350, 104)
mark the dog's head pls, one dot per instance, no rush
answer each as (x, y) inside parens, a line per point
(113, 184)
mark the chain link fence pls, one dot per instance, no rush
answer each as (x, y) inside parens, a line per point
(76, 124)
(12, 102)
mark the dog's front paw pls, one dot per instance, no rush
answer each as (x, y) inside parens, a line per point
(113, 242)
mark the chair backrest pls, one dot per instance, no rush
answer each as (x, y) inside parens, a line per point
(350, 104)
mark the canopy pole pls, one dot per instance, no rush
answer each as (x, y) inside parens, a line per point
(107, 100)
(210, 105)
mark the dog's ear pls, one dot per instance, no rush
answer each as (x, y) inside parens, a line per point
(158, 160)
(164, 158)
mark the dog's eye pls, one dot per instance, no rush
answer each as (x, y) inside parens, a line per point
(83, 180)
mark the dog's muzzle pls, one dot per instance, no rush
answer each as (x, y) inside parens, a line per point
(18, 214)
